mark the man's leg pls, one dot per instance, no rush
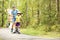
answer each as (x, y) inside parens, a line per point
(12, 27)
(14, 19)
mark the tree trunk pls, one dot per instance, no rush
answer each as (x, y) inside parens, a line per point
(49, 10)
(32, 12)
(38, 13)
(57, 10)
(2, 13)
(26, 13)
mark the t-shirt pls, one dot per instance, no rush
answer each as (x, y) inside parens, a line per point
(18, 18)
(14, 13)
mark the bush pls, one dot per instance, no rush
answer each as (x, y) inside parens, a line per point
(56, 28)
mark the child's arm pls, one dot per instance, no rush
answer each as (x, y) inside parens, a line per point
(21, 18)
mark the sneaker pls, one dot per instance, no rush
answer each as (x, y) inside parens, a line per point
(14, 32)
(11, 30)
(18, 32)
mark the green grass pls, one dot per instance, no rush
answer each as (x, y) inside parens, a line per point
(0, 38)
(34, 32)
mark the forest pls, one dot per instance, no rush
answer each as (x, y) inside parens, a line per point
(42, 15)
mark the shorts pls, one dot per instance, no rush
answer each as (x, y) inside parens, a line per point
(14, 19)
(17, 23)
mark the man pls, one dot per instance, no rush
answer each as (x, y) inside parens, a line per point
(14, 13)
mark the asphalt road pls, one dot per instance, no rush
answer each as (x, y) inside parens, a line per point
(5, 34)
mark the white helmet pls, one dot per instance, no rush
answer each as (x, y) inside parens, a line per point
(18, 12)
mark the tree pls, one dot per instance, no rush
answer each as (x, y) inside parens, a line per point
(58, 11)
(2, 13)
(38, 13)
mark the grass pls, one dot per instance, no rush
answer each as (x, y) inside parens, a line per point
(31, 31)
(0, 38)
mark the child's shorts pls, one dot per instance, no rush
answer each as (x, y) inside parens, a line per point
(17, 23)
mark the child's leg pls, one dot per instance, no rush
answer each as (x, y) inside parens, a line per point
(8, 24)
(17, 30)
(10, 27)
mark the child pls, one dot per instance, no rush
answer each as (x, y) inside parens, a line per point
(17, 23)
(10, 17)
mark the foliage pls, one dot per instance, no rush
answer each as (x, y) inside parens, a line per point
(36, 13)
(37, 32)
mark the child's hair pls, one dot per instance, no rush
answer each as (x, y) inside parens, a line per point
(19, 13)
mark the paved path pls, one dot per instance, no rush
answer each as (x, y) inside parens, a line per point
(5, 34)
